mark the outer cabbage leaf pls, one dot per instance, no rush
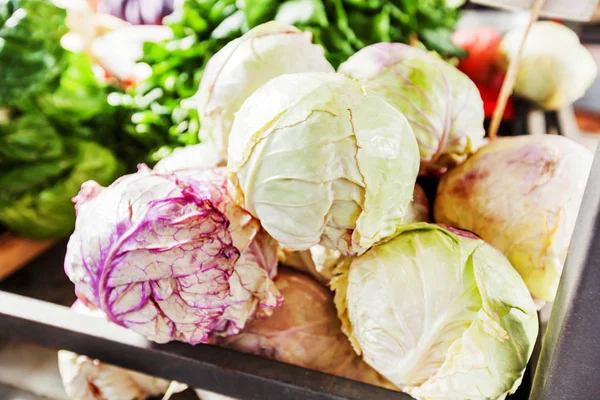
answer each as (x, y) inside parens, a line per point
(320, 261)
(244, 65)
(171, 257)
(318, 161)
(522, 195)
(36, 198)
(440, 313)
(419, 209)
(441, 103)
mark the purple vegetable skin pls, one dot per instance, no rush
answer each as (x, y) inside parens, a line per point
(139, 12)
(171, 256)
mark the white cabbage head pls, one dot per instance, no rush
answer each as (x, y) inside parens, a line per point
(441, 103)
(171, 256)
(555, 68)
(439, 313)
(521, 195)
(319, 161)
(244, 65)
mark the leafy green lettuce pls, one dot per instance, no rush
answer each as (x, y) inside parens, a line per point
(42, 171)
(440, 313)
(58, 129)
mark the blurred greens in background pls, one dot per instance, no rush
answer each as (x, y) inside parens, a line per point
(56, 126)
(61, 125)
(164, 117)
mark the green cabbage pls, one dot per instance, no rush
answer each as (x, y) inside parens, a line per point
(317, 160)
(439, 313)
(320, 261)
(244, 65)
(441, 103)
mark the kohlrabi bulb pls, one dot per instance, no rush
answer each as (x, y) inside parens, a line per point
(521, 195)
(439, 313)
(441, 103)
(319, 161)
(244, 65)
(171, 256)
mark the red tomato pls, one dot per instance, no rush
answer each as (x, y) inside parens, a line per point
(482, 45)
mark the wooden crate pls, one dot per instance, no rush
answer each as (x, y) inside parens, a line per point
(15, 252)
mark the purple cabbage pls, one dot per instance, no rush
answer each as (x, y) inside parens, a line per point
(171, 256)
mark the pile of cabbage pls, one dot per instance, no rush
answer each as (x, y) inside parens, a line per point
(317, 170)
